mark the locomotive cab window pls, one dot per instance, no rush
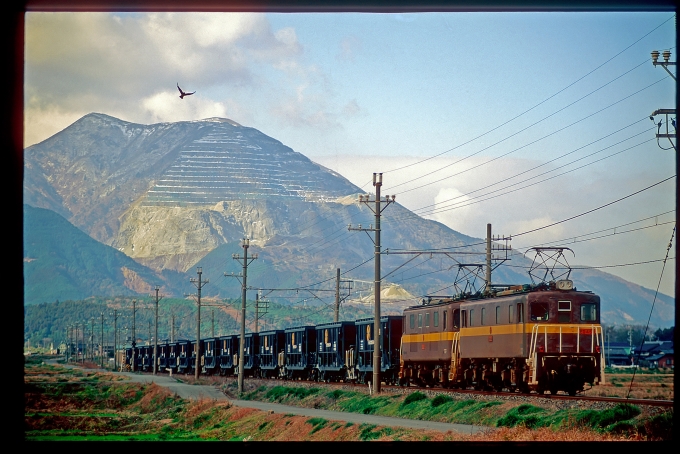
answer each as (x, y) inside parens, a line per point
(564, 311)
(588, 312)
(520, 312)
(412, 321)
(463, 319)
(472, 315)
(511, 315)
(498, 315)
(539, 312)
(456, 318)
(420, 320)
(427, 319)
(483, 315)
(435, 318)
(444, 325)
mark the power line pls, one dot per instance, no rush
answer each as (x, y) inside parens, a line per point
(597, 267)
(555, 159)
(519, 148)
(542, 102)
(480, 199)
(594, 209)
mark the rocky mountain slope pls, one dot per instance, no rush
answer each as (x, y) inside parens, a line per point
(62, 262)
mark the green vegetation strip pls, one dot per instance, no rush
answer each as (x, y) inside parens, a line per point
(622, 419)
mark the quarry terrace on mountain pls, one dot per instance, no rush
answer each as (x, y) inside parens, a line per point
(144, 205)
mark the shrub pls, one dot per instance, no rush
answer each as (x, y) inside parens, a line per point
(317, 424)
(604, 418)
(441, 399)
(336, 394)
(414, 397)
(524, 415)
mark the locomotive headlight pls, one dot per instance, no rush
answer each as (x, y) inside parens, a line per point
(564, 284)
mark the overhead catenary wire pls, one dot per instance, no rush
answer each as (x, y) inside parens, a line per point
(594, 209)
(540, 103)
(651, 310)
(519, 148)
(552, 160)
(483, 198)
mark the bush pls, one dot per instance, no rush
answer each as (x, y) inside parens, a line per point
(440, 399)
(659, 427)
(280, 392)
(601, 419)
(524, 415)
(336, 394)
(414, 397)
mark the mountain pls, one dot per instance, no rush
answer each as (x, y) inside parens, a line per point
(176, 196)
(61, 262)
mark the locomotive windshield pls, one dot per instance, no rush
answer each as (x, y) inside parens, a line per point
(588, 312)
(539, 311)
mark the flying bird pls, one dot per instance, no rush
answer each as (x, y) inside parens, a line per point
(182, 94)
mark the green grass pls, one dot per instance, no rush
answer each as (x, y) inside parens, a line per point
(602, 419)
(317, 424)
(441, 399)
(524, 415)
(75, 436)
(414, 397)
(281, 393)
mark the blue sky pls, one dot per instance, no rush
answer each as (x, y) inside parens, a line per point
(493, 99)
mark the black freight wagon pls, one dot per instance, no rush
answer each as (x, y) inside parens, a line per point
(300, 354)
(271, 344)
(391, 327)
(335, 350)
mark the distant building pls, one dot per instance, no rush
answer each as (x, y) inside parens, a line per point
(618, 354)
(657, 354)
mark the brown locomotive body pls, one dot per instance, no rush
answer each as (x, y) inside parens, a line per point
(546, 337)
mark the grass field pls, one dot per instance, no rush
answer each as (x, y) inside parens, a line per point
(75, 404)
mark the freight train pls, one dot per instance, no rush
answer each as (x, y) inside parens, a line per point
(544, 337)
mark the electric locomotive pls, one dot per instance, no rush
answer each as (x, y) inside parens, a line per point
(544, 337)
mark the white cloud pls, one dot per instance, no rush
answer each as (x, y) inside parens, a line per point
(166, 107)
(77, 63)
(462, 219)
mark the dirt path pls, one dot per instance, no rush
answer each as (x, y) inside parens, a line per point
(187, 391)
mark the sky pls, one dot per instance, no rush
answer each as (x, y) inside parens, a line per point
(518, 119)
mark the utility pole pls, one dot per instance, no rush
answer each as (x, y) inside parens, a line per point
(101, 342)
(134, 334)
(487, 290)
(337, 296)
(155, 337)
(245, 262)
(338, 299)
(199, 285)
(92, 339)
(257, 312)
(172, 331)
(666, 112)
(115, 339)
(379, 207)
